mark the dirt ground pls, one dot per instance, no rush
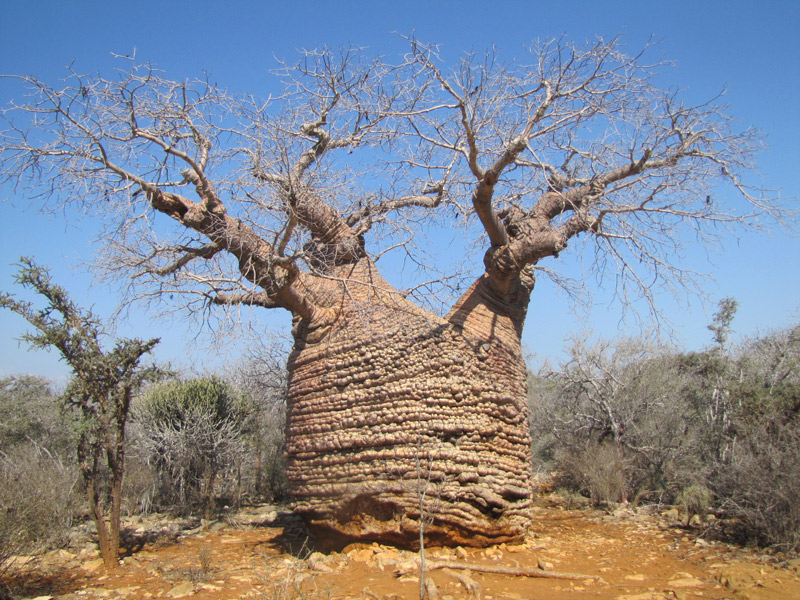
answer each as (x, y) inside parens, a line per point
(262, 554)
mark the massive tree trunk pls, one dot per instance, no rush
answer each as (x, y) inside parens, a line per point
(387, 401)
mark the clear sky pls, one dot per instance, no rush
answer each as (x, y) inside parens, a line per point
(750, 48)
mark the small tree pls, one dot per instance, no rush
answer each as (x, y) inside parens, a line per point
(102, 386)
(261, 379)
(191, 432)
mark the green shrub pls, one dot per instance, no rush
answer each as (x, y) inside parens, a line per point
(696, 500)
(190, 434)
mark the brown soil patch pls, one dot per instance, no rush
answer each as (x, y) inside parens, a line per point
(629, 556)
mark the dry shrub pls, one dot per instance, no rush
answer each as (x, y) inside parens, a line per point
(190, 434)
(601, 470)
(39, 500)
(761, 485)
(696, 500)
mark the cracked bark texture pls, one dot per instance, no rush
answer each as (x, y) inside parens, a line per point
(393, 397)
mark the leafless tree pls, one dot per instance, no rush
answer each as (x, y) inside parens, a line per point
(612, 416)
(261, 379)
(289, 202)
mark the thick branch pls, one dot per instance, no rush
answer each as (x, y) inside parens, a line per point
(251, 299)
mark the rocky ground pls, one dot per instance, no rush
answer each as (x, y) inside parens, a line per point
(261, 553)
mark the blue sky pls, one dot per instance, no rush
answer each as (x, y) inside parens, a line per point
(751, 50)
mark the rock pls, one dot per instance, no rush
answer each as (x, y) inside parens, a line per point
(493, 553)
(61, 556)
(623, 511)
(93, 566)
(685, 582)
(361, 555)
(544, 565)
(405, 569)
(636, 577)
(461, 554)
(388, 558)
(179, 591)
(320, 563)
(88, 553)
(271, 516)
(440, 552)
(217, 526)
(130, 561)
(126, 591)
(673, 514)
(19, 561)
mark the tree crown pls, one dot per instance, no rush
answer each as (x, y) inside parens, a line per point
(356, 155)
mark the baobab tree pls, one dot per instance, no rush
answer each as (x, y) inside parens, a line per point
(290, 202)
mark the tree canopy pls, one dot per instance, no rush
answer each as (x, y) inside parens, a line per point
(356, 155)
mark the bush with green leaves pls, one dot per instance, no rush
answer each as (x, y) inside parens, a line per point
(101, 388)
(190, 433)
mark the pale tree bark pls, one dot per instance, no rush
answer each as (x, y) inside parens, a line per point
(286, 203)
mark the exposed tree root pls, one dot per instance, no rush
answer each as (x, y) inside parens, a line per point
(513, 571)
(473, 587)
(431, 591)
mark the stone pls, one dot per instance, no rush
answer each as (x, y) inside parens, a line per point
(361, 555)
(673, 514)
(217, 526)
(93, 566)
(388, 558)
(544, 565)
(685, 582)
(61, 556)
(126, 591)
(181, 590)
(320, 563)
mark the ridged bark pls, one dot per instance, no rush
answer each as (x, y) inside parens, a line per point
(388, 398)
